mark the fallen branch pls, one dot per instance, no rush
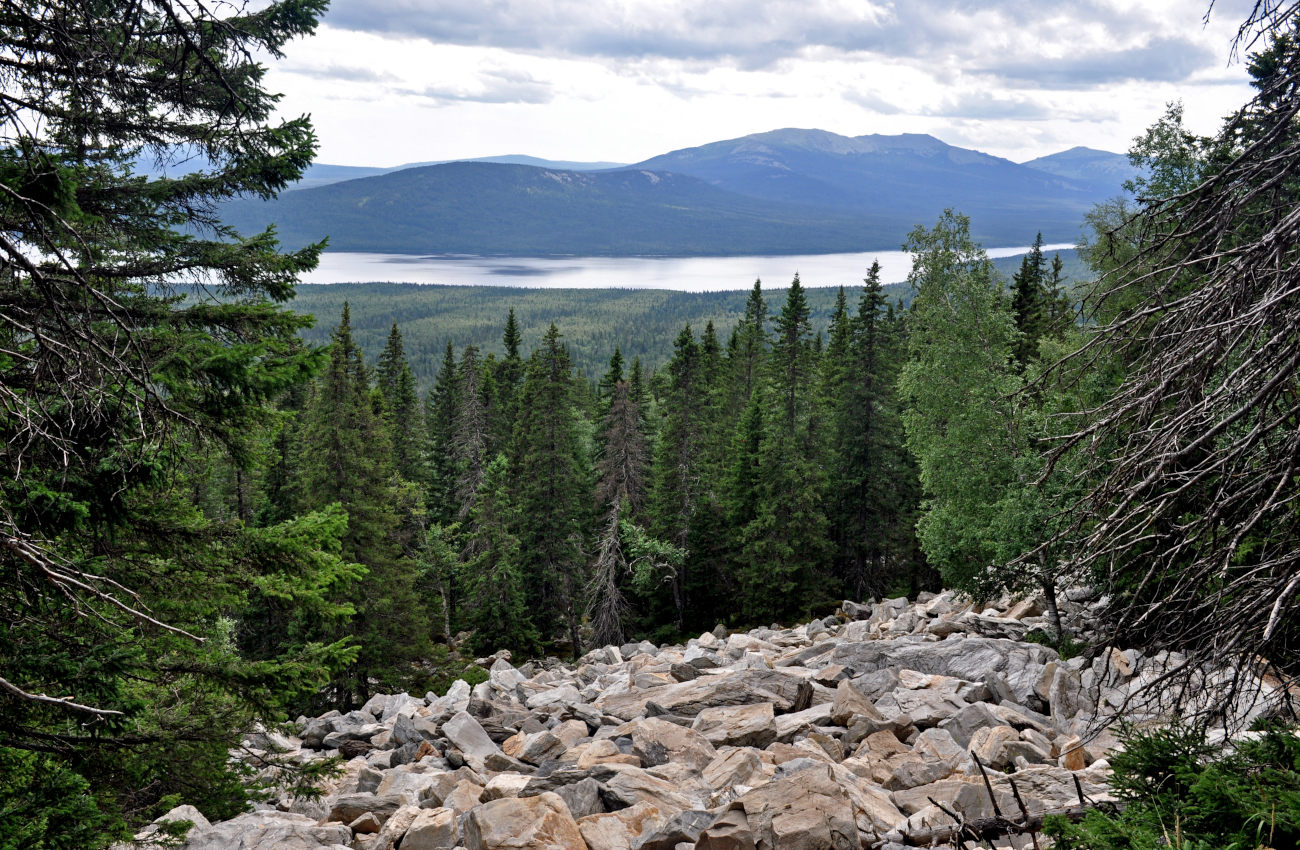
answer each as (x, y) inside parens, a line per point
(985, 829)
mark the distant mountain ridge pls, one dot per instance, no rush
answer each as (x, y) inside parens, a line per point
(780, 192)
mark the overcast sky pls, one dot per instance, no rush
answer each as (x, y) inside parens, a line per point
(395, 81)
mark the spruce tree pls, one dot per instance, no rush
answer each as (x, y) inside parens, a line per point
(471, 431)
(493, 577)
(552, 482)
(440, 409)
(348, 461)
(785, 553)
(677, 456)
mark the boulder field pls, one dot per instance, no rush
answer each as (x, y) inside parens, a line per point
(862, 730)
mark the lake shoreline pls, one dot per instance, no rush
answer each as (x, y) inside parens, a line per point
(688, 274)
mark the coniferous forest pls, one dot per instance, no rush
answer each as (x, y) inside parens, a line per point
(207, 522)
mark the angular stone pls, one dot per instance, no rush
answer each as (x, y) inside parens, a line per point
(937, 745)
(269, 831)
(582, 798)
(468, 736)
(682, 829)
(738, 725)
(631, 785)
(465, 796)
(789, 726)
(518, 822)
(730, 831)
(965, 723)
(740, 687)
(970, 658)
(656, 741)
(914, 770)
(505, 785)
(736, 766)
(1074, 756)
(850, 704)
(807, 810)
(605, 752)
(432, 829)
(364, 824)
(621, 830)
(990, 745)
(349, 807)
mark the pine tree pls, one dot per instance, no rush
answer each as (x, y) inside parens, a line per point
(874, 491)
(401, 405)
(1031, 303)
(509, 373)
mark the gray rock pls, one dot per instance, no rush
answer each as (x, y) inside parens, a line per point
(970, 658)
(582, 798)
(349, 807)
(682, 827)
(966, 722)
(468, 737)
(269, 831)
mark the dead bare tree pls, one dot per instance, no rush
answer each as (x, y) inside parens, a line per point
(1191, 521)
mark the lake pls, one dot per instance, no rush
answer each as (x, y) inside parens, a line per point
(687, 274)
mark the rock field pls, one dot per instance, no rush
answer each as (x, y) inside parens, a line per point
(858, 730)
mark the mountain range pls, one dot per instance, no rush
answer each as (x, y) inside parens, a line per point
(783, 192)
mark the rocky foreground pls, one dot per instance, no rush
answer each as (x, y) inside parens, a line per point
(860, 730)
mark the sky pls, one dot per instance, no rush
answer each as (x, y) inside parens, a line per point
(389, 82)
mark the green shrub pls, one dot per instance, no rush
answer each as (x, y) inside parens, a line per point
(1181, 792)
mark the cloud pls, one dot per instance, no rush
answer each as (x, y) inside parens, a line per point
(494, 86)
(988, 106)
(1162, 60)
(344, 73)
(1096, 41)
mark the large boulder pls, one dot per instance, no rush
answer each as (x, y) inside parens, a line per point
(969, 658)
(269, 831)
(738, 687)
(737, 725)
(432, 829)
(656, 742)
(621, 830)
(514, 823)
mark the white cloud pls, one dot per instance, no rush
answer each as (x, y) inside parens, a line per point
(628, 79)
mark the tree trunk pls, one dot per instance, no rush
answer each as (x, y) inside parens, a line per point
(1053, 611)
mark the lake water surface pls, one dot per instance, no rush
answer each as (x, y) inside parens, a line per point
(687, 274)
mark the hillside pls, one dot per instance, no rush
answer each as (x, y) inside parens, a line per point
(504, 209)
(913, 177)
(783, 192)
(869, 728)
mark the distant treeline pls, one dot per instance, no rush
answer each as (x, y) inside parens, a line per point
(640, 322)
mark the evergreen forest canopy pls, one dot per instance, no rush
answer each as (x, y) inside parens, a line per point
(640, 323)
(208, 523)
